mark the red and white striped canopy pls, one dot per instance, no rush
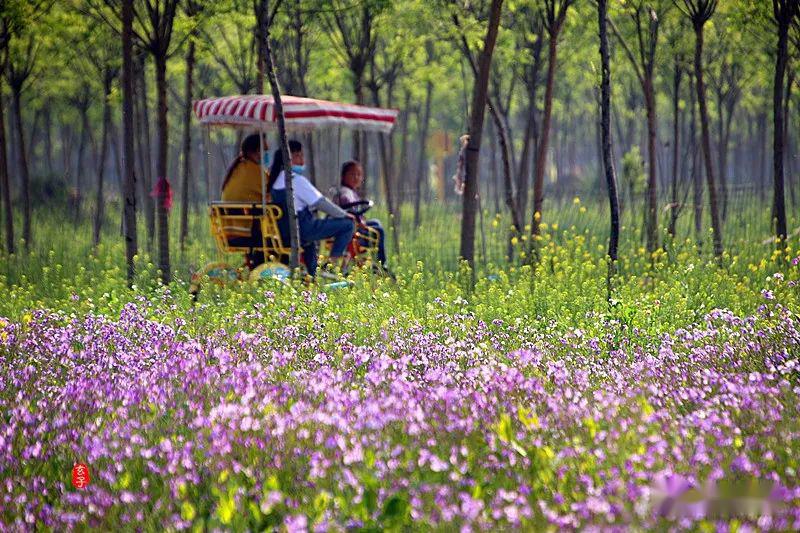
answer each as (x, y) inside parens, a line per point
(258, 111)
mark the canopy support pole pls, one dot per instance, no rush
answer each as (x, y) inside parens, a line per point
(207, 159)
(262, 134)
(338, 152)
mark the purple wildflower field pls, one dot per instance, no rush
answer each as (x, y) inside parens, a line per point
(472, 425)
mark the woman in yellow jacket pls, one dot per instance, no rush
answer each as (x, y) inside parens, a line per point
(243, 184)
(243, 181)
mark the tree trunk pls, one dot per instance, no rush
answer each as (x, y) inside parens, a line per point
(720, 134)
(706, 140)
(115, 145)
(762, 155)
(262, 15)
(5, 184)
(422, 166)
(674, 207)
(652, 178)
(495, 176)
(508, 184)
(541, 153)
(387, 183)
(605, 131)
(129, 179)
(23, 169)
(729, 110)
(145, 158)
(187, 144)
(401, 168)
(479, 96)
(101, 163)
(386, 170)
(48, 140)
(162, 210)
(523, 171)
(294, 232)
(78, 194)
(697, 174)
(779, 200)
(33, 142)
(787, 139)
(66, 134)
(359, 138)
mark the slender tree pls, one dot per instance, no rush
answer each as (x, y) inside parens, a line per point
(129, 178)
(293, 52)
(677, 77)
(5, 184)
(699, 12)
(143, 149)
(605, 132)
(19, 69)
(261, 11)
(784, 12)
(401, 164)
(646, 23)
(479, 97)
(15, 17)
(193, 9)
(386, 75)
(81, 102)
(531, 40)
(109, 74)
(553, 13)
(697, 168)
(422, 167)
(162, 17)
(499, 114)
(726, 76)
(264, 18)
(294, 232)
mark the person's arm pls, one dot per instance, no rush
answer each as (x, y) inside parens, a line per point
(329, 208)
(348, 196)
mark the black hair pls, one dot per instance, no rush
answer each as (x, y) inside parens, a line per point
(346, 168)
(250, 144)
(277, 161)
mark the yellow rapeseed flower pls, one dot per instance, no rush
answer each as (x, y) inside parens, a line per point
(576, 200)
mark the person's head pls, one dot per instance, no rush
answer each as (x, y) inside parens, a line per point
(298, 161)
(296, 151)
(352, 174)
(251, 147)
(249, 150)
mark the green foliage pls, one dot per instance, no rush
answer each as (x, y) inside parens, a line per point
(633, 175)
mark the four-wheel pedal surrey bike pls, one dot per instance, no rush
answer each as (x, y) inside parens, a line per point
(234, 223)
